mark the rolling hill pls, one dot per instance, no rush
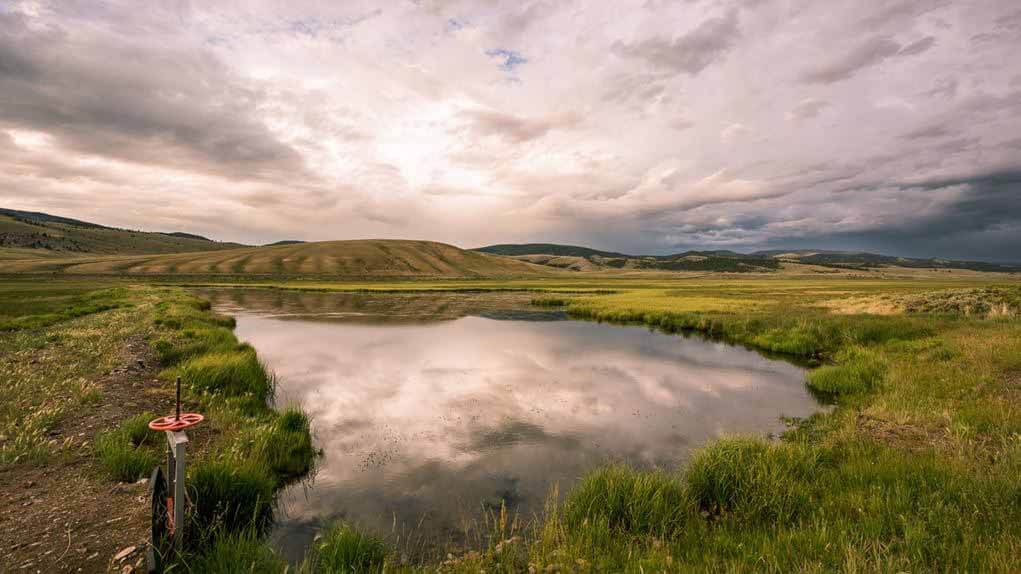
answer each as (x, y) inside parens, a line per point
(584, 259)
(577, 258)
(355, 259)
(29, 234)
(862, 259)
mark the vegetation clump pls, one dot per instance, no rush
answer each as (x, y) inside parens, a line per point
(343, 549)
(230, 497)
(627, 500)
(857, 370)
(754, 480)
(129, 452)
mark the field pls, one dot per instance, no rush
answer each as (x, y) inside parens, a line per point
(915, 468)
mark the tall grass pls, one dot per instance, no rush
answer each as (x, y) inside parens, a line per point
(342, 549)
(235, 373)
(857, 370)
(230, 497)
(283, 445)
(128, 452)
(628, 500)
(755, 480)
(237, 552)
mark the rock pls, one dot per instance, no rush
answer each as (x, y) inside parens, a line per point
(120, 556)
(142, 481)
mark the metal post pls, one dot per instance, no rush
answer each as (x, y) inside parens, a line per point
(177, 441)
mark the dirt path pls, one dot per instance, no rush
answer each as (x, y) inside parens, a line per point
(66, 515)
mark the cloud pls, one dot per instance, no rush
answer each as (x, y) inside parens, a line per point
(688, 53)
(181, 110)
(486, 123)
(869, 53)
(636, 127)
(807, 108)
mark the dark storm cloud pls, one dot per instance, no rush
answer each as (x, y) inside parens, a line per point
(689, 53)
(131, 100)
(982, 221)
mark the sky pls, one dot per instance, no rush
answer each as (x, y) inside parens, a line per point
(636, 126)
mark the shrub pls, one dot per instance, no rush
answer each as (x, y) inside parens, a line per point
(754, 479)
(858, 370)
(229, 497)
(342, 549)
(629, 500)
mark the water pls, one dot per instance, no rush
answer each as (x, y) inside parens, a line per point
(430, 408)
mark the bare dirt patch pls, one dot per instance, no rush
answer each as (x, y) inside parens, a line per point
(66, 515)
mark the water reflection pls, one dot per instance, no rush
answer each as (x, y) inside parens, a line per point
(428, 421)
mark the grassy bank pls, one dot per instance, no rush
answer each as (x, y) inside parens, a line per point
(915, 469)
(63, 343)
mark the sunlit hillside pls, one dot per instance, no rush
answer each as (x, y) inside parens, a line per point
(352, 259)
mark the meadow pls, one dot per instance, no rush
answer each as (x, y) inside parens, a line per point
(914, 468)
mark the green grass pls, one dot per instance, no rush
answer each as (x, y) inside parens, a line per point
(914, 469)
(233, 374)
(129, 452)
(857, 370)
(229, 497)
(234, 553)
(343, 549)
(622, 499)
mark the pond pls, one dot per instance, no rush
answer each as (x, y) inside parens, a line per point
(432, 408)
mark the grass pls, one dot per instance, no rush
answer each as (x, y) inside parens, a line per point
(342, 549)
(914, 469)
(229, 497)
(857, 370)
(619, 498)
(129, 452)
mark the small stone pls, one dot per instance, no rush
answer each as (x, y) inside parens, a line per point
(124, 554)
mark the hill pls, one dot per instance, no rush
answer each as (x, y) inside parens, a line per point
(862, 259)
(577, 258)
(514, 249)
(27, 234)
(357, 259)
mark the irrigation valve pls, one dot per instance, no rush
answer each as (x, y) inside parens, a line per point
(168, 494)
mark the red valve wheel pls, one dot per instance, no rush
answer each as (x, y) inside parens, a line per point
(176, 423)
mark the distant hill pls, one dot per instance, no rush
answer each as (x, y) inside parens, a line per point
(284, 242)
(577, 258)
(187, 235)
(512, 249)
(861, 259)
(584, 259)
(27, 234)
(359, 259)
